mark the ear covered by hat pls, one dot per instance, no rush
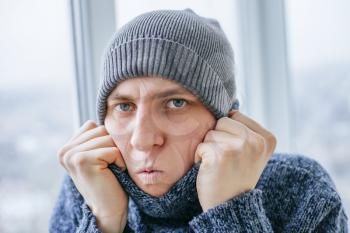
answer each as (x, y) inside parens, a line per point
(178, 45)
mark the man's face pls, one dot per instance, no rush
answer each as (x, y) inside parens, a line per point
(156, 124)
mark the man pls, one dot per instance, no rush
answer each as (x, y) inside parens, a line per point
(172, 153)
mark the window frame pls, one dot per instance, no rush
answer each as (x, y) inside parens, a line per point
(92, 24)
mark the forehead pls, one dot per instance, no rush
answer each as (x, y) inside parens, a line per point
(147, 86)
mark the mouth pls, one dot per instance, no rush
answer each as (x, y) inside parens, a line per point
(150, 176)
(147, 170)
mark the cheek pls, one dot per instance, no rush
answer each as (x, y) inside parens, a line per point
(178, 125)
(195, 139)
(118, 133)
(185, 150)
(117, 127)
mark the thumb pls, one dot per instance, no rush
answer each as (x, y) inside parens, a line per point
(119, 161)
(106, 155)
(232, 113)
(199, 152)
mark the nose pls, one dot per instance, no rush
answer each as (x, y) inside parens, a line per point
(145, 134)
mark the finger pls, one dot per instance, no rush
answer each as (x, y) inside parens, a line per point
(231, 113)
(89, 124)
(233, 127)
(113, 157)
(87, 135)
(103, 157)
(250, 123)
(98, 142)
(205, 152)
(219, 136)
(65, 154)
(198, 153)
(256, 127)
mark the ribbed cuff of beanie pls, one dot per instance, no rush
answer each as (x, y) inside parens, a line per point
(88, 223)
(244, 213)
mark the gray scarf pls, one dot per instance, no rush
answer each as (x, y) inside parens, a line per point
(175, 208)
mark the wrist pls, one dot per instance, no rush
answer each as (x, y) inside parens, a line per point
(108, 223)
(106, 213)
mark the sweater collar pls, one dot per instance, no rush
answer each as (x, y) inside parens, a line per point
(180, 202)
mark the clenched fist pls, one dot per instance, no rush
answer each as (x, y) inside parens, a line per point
(233, 156)
(86, 157)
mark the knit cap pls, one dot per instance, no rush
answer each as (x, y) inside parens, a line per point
(178, 45)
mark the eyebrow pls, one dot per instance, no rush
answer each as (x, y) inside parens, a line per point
(159, 95)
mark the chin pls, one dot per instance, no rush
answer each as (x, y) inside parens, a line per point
(155, 190)
(156, 184)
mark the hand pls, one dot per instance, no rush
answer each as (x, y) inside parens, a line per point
(233, 157)
(86, 157)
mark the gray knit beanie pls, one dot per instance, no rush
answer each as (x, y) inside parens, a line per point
(178, 45)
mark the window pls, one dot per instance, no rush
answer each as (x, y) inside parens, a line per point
(36, 109)
(319, 55)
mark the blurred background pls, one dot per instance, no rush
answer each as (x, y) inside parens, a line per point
(293, 76)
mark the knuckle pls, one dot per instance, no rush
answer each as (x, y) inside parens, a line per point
(61, 159)
(200, 147)
(209, 135)
(61, 151)
(234, 149)
(219, 148)
(257, 144)
(80, 160)
(237, 150)
(271, 141)
(90, 123)
(101, 129)
(222, 121)
(61, 154)
(221, 159)
(69, 158)
(227, 153)
(259, 149)
(65, 161)
(239, 144)
(260, 143)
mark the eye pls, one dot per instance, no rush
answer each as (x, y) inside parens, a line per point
(124, 107)
(177, 103)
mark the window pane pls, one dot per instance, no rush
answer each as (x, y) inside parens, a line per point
(319, 54)
(36, 109)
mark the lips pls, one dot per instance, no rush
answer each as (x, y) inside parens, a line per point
(150, 177)
(147, 170)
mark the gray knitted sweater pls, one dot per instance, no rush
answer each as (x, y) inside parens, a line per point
(294, 194)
